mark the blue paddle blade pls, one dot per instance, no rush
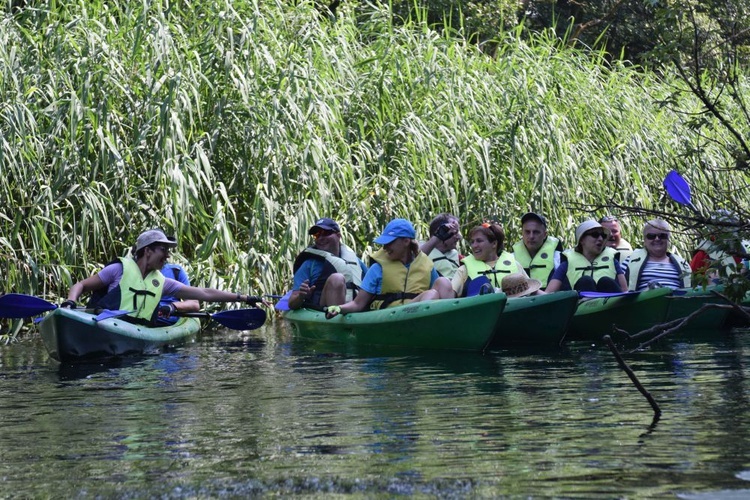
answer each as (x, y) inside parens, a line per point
(677, 188)
(283, 303)
(241, 319)
(598, 295)
(17, 305)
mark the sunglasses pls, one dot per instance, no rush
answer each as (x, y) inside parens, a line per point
(653, 236)
(163, 249)
(597, 234)
(323, 232)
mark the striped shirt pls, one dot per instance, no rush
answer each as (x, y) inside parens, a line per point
(663, 273)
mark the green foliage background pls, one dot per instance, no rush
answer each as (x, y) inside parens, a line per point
(235, 124)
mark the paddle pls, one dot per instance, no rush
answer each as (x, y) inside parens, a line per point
(598, 295)
(678, 189)
(283, 303)
(236, 319)
(107, 314)
(17, 305)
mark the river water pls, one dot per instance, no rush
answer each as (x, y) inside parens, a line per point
(263, 413)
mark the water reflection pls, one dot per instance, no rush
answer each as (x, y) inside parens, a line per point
(240, 414)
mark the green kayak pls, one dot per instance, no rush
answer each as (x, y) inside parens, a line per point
(535, 321)
(467, 323)
(686, 301)
(72, 335)
(631, 312)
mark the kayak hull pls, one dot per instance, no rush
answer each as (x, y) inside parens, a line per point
(465, 324)
(73, 335)
(535, 321)
(633, 312)
(688, 300)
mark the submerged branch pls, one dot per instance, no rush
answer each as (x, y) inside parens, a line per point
(632, 376)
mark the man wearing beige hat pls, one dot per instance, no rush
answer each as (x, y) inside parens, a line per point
(136, 284)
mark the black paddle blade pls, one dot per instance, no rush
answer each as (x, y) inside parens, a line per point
(17, 305)
(241, 319)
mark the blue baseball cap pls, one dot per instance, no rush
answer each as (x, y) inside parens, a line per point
(325, 224)
(397, 228)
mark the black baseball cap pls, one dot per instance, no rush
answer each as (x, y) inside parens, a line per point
(535, 217)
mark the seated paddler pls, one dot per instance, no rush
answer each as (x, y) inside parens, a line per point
(591, 266)
(399, 273)
(327, 272)
(538, 252)
(135, 283)
(442, 245)
(483, 270)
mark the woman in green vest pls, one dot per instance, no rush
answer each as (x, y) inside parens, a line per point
(484, 269)
(591, 265)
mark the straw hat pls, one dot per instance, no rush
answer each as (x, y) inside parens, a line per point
(518, 285)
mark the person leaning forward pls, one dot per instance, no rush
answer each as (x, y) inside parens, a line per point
(136, 284)
(400, 274)
(537, 252)
(328, 272)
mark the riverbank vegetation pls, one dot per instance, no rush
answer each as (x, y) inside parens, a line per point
(235, 124)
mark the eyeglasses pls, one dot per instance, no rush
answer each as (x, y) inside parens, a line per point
(653, 236)
(608, 218)
(323, 232)
(597, 234)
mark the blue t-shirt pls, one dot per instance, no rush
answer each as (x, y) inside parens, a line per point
(561, 273)
(373, 280)
(175, 272)
(312, 269)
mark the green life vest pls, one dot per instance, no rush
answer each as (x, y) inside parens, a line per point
(579, 266)
(639, 257)
(136, 293)
(400, 283)
(479, 272)
(542, 264)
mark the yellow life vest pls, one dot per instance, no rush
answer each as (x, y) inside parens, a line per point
(579, 266)
(400, 283)
(137, 293)
(542, 264)
(479, 272)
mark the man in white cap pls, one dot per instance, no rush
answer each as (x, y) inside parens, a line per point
(537, 252)
(136, 283)
(328, 272)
